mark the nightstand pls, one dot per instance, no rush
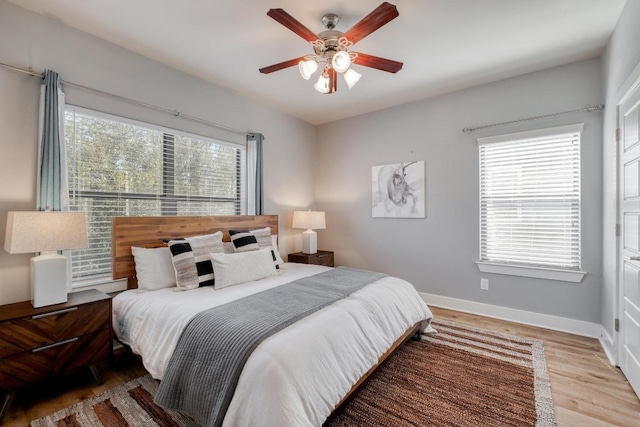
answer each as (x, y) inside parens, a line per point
(36, 343)
(319, 258)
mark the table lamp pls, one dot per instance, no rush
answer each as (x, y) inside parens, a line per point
(309, 220)
(46, 232)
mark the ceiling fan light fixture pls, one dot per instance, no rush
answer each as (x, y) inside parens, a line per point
(322, 85)
(351, 77)
(331, 48)
(307, 68)
(341, 61)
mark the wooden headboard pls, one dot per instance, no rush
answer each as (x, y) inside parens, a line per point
(150, 231)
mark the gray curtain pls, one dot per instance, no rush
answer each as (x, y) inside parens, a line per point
(52, 183)
(255, 188)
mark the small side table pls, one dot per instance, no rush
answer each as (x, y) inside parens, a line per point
(319, 258)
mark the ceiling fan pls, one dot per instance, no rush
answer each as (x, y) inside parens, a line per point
(331, 48)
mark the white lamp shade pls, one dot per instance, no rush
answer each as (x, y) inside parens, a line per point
(341, 61)
(29, 232)
(308, 220)
(351, 77)
(307, 68)
(322, 85)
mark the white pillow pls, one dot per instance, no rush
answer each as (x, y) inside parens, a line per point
(242, 267)
(154, 269)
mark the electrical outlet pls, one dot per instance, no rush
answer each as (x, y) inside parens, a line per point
(484, 284)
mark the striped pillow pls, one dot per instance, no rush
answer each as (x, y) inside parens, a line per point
(243, 241)
(253, 240)
(191, 260)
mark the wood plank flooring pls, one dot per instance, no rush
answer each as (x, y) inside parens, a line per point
(587, 390)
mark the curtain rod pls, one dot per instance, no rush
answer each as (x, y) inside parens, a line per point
(598, 107)
(175, 113)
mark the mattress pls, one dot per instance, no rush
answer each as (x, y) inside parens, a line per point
(297, 376)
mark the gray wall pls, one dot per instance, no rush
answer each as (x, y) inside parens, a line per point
(30, 40)
(437, 254)
(619, 60)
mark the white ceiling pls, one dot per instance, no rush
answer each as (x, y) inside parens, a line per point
(446, 45)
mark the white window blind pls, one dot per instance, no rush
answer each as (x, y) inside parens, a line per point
(530, 198)
(118, 167)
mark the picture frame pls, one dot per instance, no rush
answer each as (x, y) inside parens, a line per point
(398, 190)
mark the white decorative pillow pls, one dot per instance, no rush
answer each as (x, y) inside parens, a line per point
(234, 269)
(154, 269)
(191, 260)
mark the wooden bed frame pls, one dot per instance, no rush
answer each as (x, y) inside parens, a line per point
(150, 232)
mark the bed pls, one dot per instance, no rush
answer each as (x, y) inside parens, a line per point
(298, 376)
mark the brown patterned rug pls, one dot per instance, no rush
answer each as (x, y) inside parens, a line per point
(460, 376)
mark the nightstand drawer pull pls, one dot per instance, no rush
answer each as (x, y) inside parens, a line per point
(46, 347)
(53, 313)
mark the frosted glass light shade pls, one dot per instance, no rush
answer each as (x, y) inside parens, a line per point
(46, 232)
(322, 85)
(307, 68)
(351, 77)
(341, 61)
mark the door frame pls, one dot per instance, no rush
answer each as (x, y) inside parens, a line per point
(630, 85)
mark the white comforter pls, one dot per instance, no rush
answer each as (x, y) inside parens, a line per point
(297, 376)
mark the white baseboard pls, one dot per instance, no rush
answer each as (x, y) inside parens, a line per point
(608, 346)
(556, 323)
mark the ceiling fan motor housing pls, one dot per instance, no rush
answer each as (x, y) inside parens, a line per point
(331, 42)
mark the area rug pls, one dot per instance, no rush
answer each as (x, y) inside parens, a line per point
(459, 376)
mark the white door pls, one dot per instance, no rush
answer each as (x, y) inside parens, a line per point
(628, 118)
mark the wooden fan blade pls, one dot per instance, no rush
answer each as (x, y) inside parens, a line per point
(333, 80)
(293, 24)
(379, 63)
(380, 16)
(281, 65)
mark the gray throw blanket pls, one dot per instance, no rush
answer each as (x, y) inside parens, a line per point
(205, 367)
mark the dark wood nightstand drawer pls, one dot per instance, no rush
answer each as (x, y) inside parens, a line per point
(42, 329)
(38, 342)
(23, 368)
(320, 258)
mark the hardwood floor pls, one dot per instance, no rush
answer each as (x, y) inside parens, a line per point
(587, 390)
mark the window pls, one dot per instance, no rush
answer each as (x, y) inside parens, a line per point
(118, 167)
(530, 203)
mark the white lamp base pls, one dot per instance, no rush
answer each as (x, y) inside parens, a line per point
(309, 242)
(48, 279)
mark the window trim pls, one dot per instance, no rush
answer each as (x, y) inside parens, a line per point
(563, 275)
(522, 270)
